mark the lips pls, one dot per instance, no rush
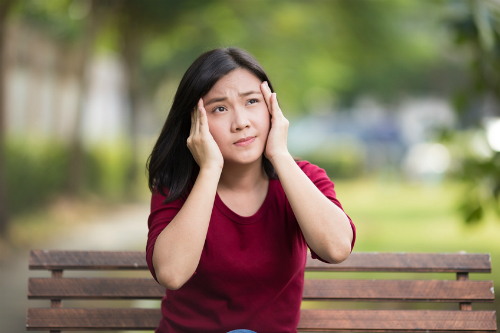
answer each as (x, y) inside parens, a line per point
(245, 141)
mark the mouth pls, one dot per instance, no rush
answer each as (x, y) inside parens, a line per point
(245, 141)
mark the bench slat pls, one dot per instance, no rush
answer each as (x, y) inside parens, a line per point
(312, 320)
(407, 262)
(363, 290)
(94, 288)
(397, 320)
(92, 318)
(399, 290)
(357, 261)
(92, 260)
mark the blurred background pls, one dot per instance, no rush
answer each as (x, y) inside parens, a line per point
(399, 101)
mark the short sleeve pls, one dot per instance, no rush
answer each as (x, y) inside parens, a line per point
(319, 177)
(160, 216)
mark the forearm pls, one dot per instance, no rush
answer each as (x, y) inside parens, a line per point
(178, 248)
(324, 225)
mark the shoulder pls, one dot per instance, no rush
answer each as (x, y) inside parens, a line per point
(311, 170)
(158, 200)
(306, 165)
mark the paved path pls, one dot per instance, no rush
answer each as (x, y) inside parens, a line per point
(125, 229)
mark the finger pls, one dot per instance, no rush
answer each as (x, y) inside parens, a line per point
(197, 114)
(193, 122)
(274, 103)
(199, 120)
(203, 116)
(266, 92)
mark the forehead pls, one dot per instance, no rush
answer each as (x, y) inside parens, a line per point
(239, 80)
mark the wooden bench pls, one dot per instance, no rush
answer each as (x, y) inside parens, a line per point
(461, 291)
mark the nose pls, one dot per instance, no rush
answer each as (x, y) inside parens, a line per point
(240, 120)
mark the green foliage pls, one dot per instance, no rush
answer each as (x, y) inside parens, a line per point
(107, 170)
(62, 19)
(483, 177)
(37, 172)
(477, 30)
(338, 164)
(340, 48)
(318, 53)
(477, 166)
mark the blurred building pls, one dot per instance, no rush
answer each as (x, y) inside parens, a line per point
(400, 138)
(44, 89)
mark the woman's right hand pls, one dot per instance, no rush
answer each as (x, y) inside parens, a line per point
(201, 143)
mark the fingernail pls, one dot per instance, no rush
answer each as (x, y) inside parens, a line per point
(267, 84)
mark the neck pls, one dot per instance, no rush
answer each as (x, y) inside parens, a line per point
(242, 177)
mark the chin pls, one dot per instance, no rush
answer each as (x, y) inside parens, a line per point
(248, 159)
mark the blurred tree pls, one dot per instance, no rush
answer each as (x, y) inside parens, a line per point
(138, 23)
(5, 6)
(319, 53)
(477, 29)
(94, 12)
(75, 25)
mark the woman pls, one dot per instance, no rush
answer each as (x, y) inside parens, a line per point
(232, 213)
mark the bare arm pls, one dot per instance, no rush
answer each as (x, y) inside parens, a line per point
(325, 227)
(178, 248)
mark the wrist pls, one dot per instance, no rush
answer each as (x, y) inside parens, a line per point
(210, 171)
(281, 158)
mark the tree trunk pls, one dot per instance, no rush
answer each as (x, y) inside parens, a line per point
(4, 213)
(76, 174)
(130, 51)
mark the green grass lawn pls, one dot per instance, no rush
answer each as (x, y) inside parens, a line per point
(409, 217)
(403, 217)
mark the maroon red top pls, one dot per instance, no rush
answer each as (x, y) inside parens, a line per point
(251, 270)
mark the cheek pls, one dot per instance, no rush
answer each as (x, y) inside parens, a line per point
(216, 131)
(265, 121)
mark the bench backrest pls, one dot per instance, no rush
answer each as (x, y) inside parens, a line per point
(460, 290)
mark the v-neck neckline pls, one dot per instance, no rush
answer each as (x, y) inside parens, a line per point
(245, 219)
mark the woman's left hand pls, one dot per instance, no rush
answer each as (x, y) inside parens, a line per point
(276, 140)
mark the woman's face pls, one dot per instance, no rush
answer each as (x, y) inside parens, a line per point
(236, 110)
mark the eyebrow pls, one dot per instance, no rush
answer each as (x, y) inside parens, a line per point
(221, 99)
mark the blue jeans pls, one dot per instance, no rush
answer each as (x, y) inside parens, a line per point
(242, 331)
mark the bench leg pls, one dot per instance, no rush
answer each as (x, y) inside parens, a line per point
(56, 303)
(465, 306)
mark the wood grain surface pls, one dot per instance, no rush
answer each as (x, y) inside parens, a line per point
(312, 320)
(362, 290)
(357, 261)
(397, 320)
(462, 291)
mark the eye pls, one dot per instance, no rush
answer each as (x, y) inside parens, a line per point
(253, 101)
(219, 109)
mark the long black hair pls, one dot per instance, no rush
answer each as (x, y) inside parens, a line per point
(171, 165)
